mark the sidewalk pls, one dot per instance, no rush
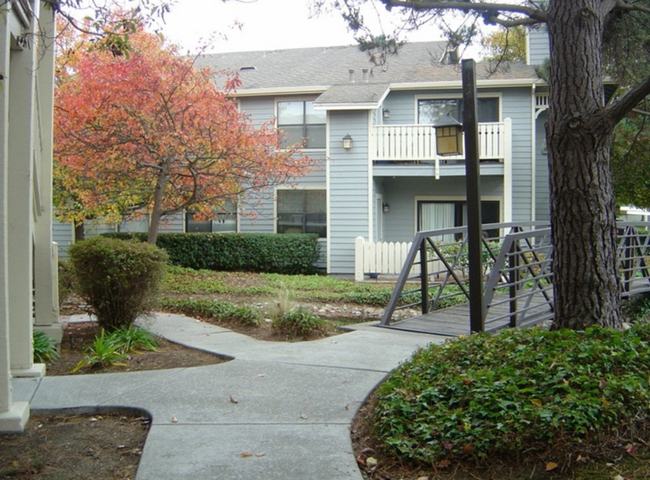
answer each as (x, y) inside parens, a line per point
(294, 402)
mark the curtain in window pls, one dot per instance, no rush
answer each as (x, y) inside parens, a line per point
(435, 216)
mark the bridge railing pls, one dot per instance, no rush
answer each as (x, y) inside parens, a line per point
(517, 273)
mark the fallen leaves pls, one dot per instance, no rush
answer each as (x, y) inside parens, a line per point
(551, 466)
(250, 454)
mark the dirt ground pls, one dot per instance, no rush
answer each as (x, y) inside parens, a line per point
(98, 446)
(76, 447)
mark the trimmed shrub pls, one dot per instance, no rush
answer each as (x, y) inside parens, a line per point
(515, 391)
(117, 279)
(254, 252)
(66, 281)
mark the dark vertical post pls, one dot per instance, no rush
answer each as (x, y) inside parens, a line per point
(513, 266)
(472, 175)
(424, 277)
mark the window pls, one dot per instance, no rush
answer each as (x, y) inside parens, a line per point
(301, 124)
(302, 211)
(434, 215)
(226, 222)
(430, 111)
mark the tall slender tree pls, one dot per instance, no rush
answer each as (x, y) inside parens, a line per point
(579, 131)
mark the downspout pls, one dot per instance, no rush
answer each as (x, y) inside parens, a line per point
(371, 185)
(533, 147)
(328, 246)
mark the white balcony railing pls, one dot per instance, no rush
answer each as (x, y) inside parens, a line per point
(414, 143)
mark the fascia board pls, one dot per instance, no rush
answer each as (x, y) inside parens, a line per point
(347, 106)
(520, 82)
(275, 91)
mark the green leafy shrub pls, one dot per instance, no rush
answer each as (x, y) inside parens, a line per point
(519, 390)
(131, 339)
(254, 252)
(214, 309)
(299, 323)
(66, 281)
(44, 348)
(117, 279)
(104, 353)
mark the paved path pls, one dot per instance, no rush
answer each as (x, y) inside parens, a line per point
(295, 402)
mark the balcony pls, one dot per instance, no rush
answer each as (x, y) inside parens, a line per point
(416, 144)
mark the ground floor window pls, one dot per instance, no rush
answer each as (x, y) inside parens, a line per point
(302, 211)
(436, 215)
(226, 222)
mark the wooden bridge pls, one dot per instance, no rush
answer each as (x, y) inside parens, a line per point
(518, 288)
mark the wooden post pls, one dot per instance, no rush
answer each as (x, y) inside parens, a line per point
(473, 173)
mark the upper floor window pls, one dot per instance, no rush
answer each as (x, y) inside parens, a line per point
(301, 124)
(430, 111)
(302, 211)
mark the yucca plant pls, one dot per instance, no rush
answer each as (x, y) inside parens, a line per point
(103, 353)
(44, 348)
(131, 339)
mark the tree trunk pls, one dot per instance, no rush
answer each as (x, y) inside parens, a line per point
(587, 287)
(79, 232)
(156, 210)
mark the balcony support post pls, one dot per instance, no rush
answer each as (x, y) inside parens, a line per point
(473, 174)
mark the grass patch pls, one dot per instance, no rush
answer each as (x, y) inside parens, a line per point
(522, 390)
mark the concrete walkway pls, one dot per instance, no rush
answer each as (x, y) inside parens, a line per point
(294, 402)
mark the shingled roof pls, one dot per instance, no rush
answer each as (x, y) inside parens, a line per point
(345, 74)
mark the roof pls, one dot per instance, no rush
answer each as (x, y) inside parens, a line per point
(345, 76)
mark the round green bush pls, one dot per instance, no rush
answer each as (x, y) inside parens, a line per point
(118, 279)
(518, 390)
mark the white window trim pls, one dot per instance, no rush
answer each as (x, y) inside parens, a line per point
(458, 96)
(450, 198)
(276, 100)
(305, 187)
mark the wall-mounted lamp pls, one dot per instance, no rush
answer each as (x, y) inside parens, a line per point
(385, 113)
(347, 142)
(386, 207)
(449, 136)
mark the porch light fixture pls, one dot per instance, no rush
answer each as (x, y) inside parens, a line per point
(385, 113)
(386, 207)
(347, 142)
(449, 136)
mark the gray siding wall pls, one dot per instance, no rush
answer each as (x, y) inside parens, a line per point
(517, 105)
(63, 235)
(259, 207)
(401, 193)
(538, 46)
(349, 188)
(542, 193)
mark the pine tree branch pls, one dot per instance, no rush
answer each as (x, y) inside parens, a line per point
(535, 15)
(616, 111)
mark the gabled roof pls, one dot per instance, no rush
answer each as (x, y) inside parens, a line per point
(346, 77)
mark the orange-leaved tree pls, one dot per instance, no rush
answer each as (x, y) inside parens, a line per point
(146, 133)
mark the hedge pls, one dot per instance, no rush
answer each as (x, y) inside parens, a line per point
(253, 252)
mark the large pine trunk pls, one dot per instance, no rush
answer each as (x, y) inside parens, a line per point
(579, 135)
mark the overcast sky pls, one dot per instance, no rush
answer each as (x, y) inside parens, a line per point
(265, 25)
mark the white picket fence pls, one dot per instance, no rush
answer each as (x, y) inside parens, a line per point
(380, 258)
